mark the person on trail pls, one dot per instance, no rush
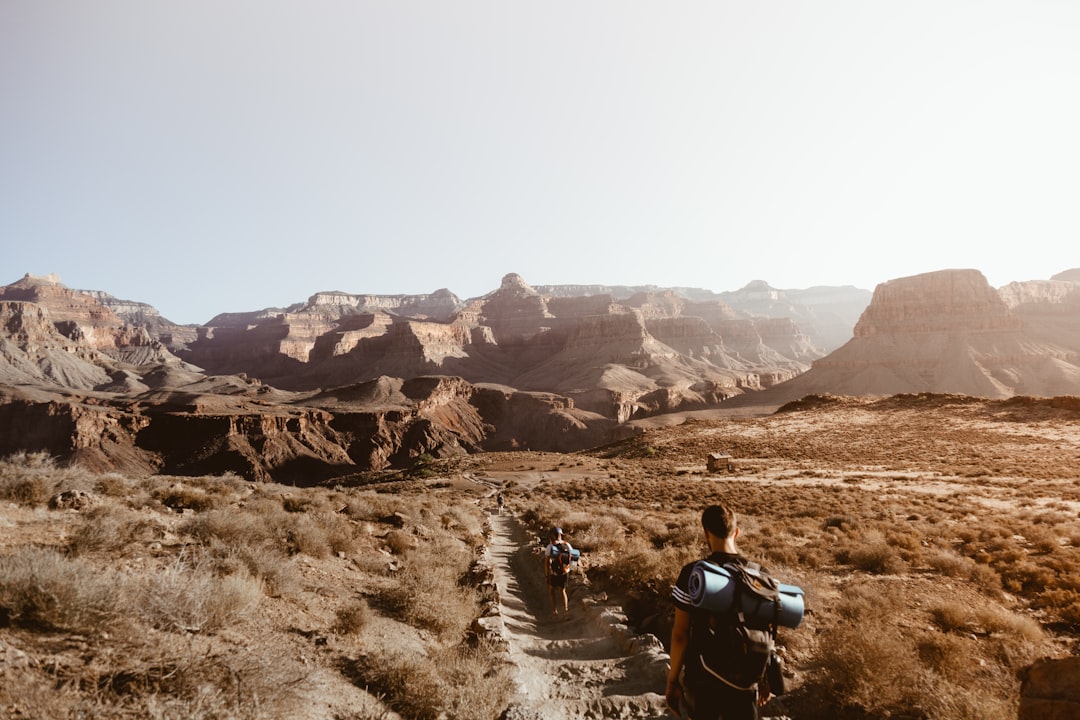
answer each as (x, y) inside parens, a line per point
(557, 570)
(500, 501)
(692, 686)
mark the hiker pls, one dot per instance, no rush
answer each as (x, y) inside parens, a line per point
(500, 501)
(692, 686)
(557, 564)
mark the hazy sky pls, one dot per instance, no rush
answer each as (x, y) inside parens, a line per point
(210, 156)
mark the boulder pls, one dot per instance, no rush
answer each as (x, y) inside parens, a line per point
(1050, 690)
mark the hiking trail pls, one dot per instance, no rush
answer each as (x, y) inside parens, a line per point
(585, 665)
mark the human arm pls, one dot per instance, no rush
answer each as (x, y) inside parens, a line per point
(680, 639)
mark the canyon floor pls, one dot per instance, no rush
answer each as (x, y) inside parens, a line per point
(947, 526)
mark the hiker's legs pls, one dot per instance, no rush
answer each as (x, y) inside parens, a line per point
(557, 591)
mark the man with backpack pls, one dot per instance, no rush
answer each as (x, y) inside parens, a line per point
(558, 559)
(717, 661)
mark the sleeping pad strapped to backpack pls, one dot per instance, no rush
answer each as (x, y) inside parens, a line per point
(561, 558)
(742, 605)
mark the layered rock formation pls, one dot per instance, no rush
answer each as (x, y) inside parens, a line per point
(610, 357)
(345, 382)
(825, 316)
(950, 332)
(342, 383)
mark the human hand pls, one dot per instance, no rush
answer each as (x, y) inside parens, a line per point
(764, 695)
(674, 697)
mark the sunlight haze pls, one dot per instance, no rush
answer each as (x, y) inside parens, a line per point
(208, 157)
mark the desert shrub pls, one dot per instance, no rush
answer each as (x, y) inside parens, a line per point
(40, 588)
(208, 684)
(28, 478)
(995, 619)
(814, 556)
(400, 542)
(1043, 539)
(29, 692)
(634, 522)
(305, 534)
(353, 617)
(111, 529)
(774, 548)
(456, 682)
(602, 533)
(949, 564)
(301, 504)
(465, 523)
(113, 485)
(862, 659)
(985, 578)
(339, 532)
(265, 562)
(429, 592)
(179, 496)
(641, 566)
(410, 685)
(951, 616)
(1025, 576)
(265, 522)
(843, 523)
(371, 506)
(1065, 603)
(873, 554)
(254, 527)
(869, 665)
(873, 665)
(188, 595)
(948, 656)
(543, 512)
(477, 683)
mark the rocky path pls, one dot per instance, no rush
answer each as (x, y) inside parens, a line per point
(585, 665)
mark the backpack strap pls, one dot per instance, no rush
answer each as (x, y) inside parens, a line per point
(721, 678)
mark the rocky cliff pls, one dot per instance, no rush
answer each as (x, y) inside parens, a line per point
(515, 336)
(342, 383)
(950, 332)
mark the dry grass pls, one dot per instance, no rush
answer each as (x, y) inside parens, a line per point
(189, 596)
(455, 683)
(903, 528)
(937, 544)
(42, 589)
(151, 601)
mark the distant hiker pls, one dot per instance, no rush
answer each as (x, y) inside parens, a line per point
(500, 501)
(719, 660)
(558, 559)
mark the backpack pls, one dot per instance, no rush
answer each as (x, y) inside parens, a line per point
(560, 560)
(737, 644)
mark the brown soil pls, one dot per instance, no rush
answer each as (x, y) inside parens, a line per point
(569, 666)
(962, 463)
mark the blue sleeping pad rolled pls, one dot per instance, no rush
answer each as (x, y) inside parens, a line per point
(712, 587)
(575, 554)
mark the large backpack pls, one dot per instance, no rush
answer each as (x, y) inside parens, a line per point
(560, 559)
(735, 645)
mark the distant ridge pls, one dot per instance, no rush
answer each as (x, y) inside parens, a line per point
(950, 332)
(345, 382)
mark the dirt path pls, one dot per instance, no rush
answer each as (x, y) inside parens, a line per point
(580, 666)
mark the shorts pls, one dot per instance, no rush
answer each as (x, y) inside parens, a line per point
(711, 701)
(557, 580)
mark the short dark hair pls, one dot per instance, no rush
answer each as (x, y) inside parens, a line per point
(719, 520)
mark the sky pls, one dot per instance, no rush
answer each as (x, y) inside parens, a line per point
(212, 156)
